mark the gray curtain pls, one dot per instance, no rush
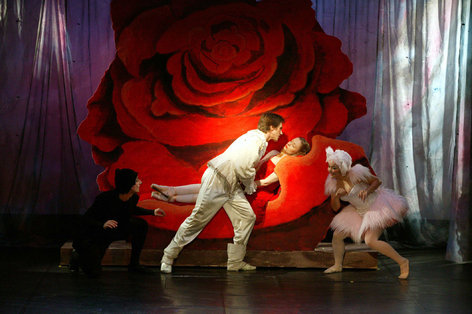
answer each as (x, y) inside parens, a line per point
(413, 64)
(53, 54)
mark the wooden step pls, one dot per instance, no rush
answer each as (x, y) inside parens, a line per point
(357, 256)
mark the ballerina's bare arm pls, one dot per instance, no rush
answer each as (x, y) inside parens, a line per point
(335, 198)
(271, 178)
(374, 183)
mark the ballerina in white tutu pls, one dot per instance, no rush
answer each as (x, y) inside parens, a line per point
(371, 209)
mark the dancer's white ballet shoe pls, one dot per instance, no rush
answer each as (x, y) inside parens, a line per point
(404, 269)
(334, 269)
(166, 268)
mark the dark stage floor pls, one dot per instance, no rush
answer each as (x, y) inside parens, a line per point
(32, 282)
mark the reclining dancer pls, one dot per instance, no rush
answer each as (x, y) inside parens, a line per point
(220, 187)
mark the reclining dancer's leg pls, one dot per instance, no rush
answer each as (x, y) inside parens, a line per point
(182, 193)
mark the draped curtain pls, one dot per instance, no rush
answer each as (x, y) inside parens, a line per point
(419, 114)
(412, 62)
(53, 54)
(417, 130)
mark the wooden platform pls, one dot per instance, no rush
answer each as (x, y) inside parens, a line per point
(357, 256)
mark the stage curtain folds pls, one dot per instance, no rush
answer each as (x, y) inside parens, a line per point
(412, 62)
(53, 54)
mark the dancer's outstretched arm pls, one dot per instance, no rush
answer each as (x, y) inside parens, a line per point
(271, 178)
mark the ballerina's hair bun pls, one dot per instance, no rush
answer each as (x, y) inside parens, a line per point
(340, 158)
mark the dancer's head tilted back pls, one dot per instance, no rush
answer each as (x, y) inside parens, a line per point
(296, 147)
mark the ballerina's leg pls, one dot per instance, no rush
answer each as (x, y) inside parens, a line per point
(372, 240)
(185, 198)
(187, 189)
(338, 252)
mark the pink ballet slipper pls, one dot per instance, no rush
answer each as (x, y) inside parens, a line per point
(159, 196)
(404, 269)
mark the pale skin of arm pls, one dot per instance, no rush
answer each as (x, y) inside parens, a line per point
(271, 178)
(373, 182)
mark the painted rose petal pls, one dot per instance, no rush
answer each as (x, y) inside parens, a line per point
(130, 126)
(355, 103)
(137, 41)
(299, 122)
(102, 181)
(230, 108)
(124, 11)
(334, 117)
(162, 104)
(188, 95)
(100, 127)
(196, 129)
(200, 85)
(332, 66)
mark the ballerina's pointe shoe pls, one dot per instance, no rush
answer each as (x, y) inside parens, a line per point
(334, 269)
(155, 187)
(404, 270)
(159, 196)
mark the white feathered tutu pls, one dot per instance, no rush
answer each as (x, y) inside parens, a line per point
(381, 209)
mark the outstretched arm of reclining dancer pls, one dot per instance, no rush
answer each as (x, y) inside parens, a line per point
(271, 178)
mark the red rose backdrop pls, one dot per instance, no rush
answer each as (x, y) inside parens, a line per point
(189, 77)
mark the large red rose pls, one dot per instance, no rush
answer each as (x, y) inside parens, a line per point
(191, 76)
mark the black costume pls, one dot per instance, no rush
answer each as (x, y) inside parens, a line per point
(93, 239)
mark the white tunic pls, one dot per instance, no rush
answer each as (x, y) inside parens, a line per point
(238, 162)
(221, 188)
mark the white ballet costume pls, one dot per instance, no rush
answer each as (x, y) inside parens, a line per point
(381, 209)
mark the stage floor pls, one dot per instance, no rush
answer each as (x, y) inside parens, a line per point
(31, 281)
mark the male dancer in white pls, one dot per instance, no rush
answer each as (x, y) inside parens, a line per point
(221, 188)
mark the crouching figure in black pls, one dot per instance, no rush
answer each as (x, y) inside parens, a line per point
(111, 218)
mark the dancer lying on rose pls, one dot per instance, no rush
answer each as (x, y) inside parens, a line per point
(371, 209)
(266, 180)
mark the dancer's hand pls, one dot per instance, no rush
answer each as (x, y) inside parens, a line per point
(110, 224)
(159, 212)
(341, 192)
(363, 194)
